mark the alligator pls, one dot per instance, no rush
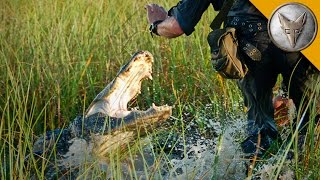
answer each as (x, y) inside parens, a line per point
(107, 124)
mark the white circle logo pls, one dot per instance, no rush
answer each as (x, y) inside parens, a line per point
(292, 27)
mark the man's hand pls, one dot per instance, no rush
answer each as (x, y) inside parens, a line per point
(155, 13)
(283, 108)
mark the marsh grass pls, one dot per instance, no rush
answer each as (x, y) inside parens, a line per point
(56, 55)
(305, 145)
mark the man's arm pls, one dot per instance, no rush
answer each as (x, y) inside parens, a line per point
(182, 18)
(169, 27)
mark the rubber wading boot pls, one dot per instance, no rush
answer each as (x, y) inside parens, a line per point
(268, 144)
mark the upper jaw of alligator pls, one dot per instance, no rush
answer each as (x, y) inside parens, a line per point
(113, 99)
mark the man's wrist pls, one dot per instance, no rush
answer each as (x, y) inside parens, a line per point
(154, 27)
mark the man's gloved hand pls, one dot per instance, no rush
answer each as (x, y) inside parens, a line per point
(155, 13)
(283, 108)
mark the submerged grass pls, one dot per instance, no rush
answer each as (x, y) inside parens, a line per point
(56, 55)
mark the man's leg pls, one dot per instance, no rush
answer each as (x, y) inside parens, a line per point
(258, 97)
(257, 89)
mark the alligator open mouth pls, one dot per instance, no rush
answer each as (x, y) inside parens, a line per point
(113, 99)
(108, 116)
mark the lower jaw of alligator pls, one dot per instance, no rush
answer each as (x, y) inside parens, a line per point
(125, 135)
(107, 124)
(110, 134)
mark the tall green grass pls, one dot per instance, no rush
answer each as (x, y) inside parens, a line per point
(56, 55)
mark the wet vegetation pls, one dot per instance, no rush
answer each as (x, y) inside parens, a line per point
(56, 55)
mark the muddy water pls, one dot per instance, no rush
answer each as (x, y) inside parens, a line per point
(217, 158)
(194, 156)
(211, 151)
(204, 148)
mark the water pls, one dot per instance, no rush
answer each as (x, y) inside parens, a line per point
(194, 156)
(210, 152)
(217, 158)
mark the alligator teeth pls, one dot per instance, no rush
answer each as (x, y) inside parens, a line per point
(150, 76)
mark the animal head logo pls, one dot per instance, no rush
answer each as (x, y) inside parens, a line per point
(292, 28)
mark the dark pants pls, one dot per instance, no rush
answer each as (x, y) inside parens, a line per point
(258, 83)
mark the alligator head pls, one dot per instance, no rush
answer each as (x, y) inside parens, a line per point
(108, 124)
(108, 117)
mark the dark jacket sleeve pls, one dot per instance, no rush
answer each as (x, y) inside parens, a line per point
(188, 13)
